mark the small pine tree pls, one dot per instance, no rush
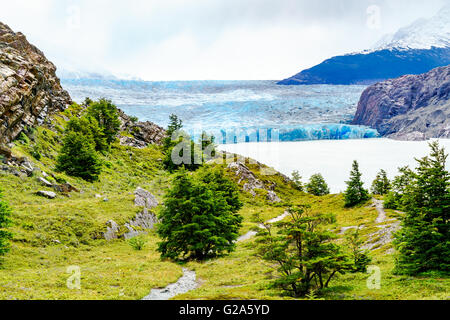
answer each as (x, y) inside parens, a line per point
(399, 185)
(317, 185)
(381, 185)
(89, 126)
(199, 219)
(297, 179)
(107, 116)
(361, 258)
(355, 193)
(78, 157)
(5, 236)
(423, 243)
(303, 250)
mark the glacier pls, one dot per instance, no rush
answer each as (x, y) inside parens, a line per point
(235, 111)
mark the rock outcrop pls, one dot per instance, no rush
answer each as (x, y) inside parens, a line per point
(413, 107)
(141, 133)
(30, 91)
(142, 222)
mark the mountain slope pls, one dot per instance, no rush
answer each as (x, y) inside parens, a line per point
(416, 49)
(410, 108)
(29, 87)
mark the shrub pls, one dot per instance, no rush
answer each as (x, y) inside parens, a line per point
(137, 243)
(78, 157)
(107, 117)
(317, 186)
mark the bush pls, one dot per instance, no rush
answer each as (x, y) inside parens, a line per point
(107, 117)
(78, 157)
(317, 186)
(199, 219)
(137, 243)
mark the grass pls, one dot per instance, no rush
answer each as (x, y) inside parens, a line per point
(51, 235)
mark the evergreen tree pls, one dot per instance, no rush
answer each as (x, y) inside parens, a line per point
(88, 126)
(78, 157)
(399, 185)
(107, 116)
(355, 193)
(381, 185)
(297, 179)
(423, 243)
(5, 236)
(304, 252)
(317, 185)
(199, 219)
(361, 258)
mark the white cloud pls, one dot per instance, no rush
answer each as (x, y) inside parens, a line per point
(203, 39)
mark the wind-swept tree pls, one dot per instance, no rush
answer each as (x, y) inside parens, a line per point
(302, 249)
(355, 193)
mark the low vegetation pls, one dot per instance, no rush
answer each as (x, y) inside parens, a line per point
(52, 235)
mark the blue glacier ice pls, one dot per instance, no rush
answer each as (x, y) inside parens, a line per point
(236, 111)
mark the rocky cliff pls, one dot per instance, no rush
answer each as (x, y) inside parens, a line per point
(29, 87)
(413, 107)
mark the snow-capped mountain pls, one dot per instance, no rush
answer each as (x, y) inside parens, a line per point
(415, 49)
(422, 34)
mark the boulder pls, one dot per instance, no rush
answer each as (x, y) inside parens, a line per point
(112, 230)
(45, 182)
(143, 198)
(273, 197)
(46, 194)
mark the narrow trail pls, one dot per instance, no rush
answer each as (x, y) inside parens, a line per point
(379, 205)
(252, 234)
(188, 281)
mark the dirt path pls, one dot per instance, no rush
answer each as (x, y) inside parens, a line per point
(186, 283)
(380, 208)
(252, 234)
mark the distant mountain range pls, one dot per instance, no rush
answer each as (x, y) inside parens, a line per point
(416, 49)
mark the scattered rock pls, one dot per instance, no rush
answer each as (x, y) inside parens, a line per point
(143, 198)
(46, 194)
(145, 220)
(273, 197)
(112, 230)
(45, 182)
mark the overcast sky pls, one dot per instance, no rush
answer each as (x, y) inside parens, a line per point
(206, 39)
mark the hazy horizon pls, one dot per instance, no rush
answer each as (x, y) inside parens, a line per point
(206, 40)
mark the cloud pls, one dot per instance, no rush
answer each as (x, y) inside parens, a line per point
(204, 39)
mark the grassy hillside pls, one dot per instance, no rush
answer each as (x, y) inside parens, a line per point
(51, 235)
